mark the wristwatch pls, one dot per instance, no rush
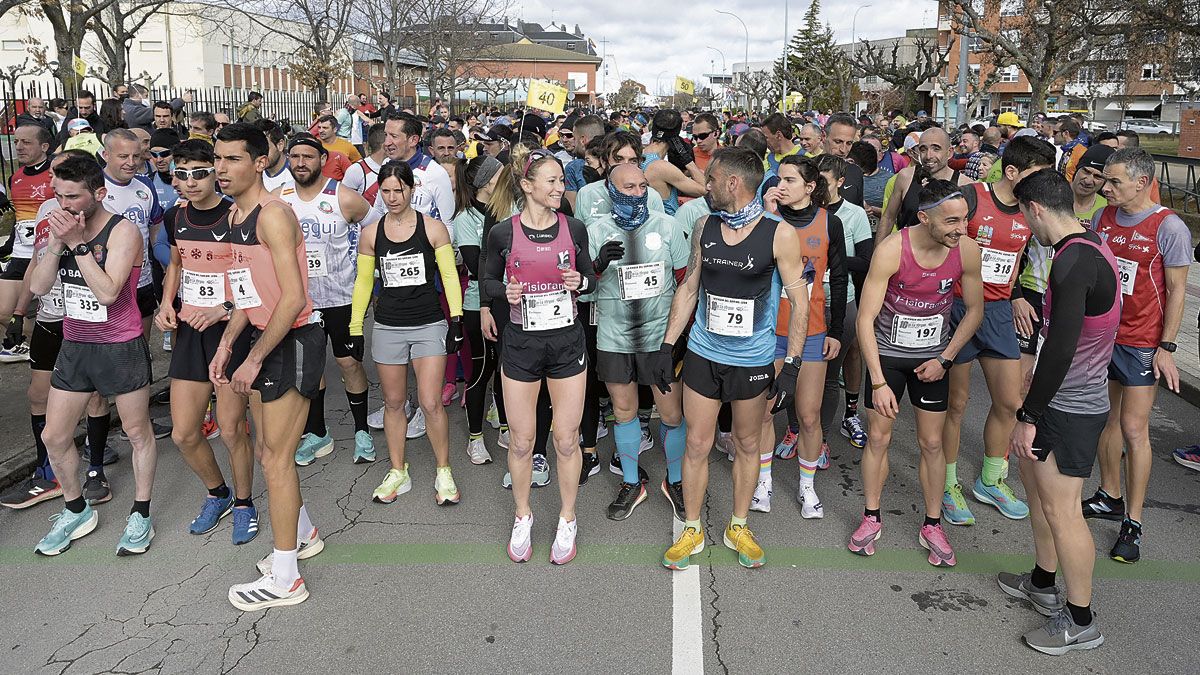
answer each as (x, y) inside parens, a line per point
(792, 360)
(944, 363)
(79, 250)
(228, 307)
(1027, 417)
(1168, 346)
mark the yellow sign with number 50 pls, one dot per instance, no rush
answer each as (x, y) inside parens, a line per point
(546, 96)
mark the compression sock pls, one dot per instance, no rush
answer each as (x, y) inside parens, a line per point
(1040, 578)
(851, 404)
(141, 508)
(674, 440)
(993, 470)
(807, 471)
(220, 492)
(38, 423)
(628, 437)
(316, 415)
(1082, 616)
(951, 475)
(358, 410)
(97, 437)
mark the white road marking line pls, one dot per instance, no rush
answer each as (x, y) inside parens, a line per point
(687, 637)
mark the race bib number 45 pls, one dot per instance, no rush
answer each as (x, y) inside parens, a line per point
(732, 317)
(641, 281)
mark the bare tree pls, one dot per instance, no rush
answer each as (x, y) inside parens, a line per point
(1046, 39)
(756, 86)
(904, 71)
(383, 24)
(115, 28)
(69, 20)
(448, 36)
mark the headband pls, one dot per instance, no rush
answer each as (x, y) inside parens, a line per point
(487, 168)
(953, 195)
(310, 142)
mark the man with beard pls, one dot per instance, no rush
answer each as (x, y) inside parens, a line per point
(932, 155)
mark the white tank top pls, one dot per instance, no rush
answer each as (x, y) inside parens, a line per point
(331, 244)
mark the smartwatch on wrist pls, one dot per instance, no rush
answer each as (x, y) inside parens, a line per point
(79, 250)
(1168, 346)
(1027, 417)
(228, 307)
(943, 362)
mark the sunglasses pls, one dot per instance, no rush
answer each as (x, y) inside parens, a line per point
(160, 154)
(566, 134)
(535, 156)
(702, 135)
(193, 174)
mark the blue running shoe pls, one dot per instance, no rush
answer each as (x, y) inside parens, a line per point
(67, 528)
(787, 447)
(1189, 457)
(853, 429)
(823, 458)
(364, 447)
(312, 447)
(1001, 496)
(137, 536)
(954, 507)
(245, 525)
(211, 513)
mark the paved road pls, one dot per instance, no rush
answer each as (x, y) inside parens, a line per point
(411, 587)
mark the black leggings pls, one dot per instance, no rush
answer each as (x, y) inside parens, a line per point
(591, 396)
(484, 357)
(544, 415)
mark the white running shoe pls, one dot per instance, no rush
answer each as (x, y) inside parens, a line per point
(310, 546)
(416, 425)
(267, 592)
(647, 442)
(810, 504)
(375, 419)
(502, 439)
(520, 546)
(761, 501)
(725, 444)
(478, 452)
(601, 429)
(563, 550)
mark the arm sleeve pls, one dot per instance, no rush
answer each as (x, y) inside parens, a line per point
(364, 282)
(583, 257)
(444, 255)
(491, 286)
(839, 279)
(162, 247)
(470, 256)
(1072, 278)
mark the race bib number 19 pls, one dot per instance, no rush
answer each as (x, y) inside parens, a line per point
(732, 317)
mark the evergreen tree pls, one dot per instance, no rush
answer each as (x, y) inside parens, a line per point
(815, 68)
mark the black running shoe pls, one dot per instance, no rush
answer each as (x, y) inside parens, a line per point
(30, 491)
(1103, 506)
(95, 488)
(591, 467)
(1128, 548)
(110, 453)
(629, 496)
(674, 494)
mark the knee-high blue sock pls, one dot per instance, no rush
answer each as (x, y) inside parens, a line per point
(674, 441)
(628, 437)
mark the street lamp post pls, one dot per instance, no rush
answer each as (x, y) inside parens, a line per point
(724, 87)
(658, 83)
(853, 34)
(746, 55)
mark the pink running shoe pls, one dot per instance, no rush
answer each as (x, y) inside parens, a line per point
(520, 544)
(787, 447)
(863, 540)
(563, 550)
(823, 458)
(933, 538)
(449, 393)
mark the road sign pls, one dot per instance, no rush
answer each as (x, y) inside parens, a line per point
(546, 96)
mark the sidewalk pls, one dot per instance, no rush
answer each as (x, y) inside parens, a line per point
(1188, 356)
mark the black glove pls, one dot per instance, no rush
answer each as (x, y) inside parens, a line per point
(6, 204)
(785, 387)
(454, 336)
(609, 253)
(15, 334)
(679, 153)
(357, 347)
(662, 367)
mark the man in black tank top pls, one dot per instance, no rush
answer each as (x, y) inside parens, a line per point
(932, 154)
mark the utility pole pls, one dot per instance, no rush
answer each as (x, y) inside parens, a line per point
(783, 89)
(960, 116)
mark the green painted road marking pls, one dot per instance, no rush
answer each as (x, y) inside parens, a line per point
(836, 559)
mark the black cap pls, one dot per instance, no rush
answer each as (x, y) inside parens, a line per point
(496, 132)
(1095, 157)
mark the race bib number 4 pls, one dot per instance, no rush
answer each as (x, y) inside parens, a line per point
(81, 304)
(1127, 269)
(997, 265)
(916, 332)
(245, 295)
(546, 311)
(203, 289)
(403, 270)
(732, 317)
(317, 265)
(641, 281)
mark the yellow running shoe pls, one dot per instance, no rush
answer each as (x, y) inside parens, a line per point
(741, 539)
(394, 484)
(445, 491)
(689, 543)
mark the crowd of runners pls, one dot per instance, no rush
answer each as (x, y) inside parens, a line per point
(746, 281)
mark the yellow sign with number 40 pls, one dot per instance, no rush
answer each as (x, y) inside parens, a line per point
(546, 96)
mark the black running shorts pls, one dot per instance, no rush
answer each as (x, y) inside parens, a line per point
(108, 368)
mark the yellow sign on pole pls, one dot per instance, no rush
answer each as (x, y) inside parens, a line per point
(546, 96)
(80, 66)
(685, 86)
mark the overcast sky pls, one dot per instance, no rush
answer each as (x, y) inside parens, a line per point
(646, 38)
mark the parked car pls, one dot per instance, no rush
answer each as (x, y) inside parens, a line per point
(1148, 126)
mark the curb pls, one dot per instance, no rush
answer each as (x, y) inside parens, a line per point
(1189, 388)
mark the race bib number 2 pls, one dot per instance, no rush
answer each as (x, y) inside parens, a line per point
(732, 317)
(546, 311)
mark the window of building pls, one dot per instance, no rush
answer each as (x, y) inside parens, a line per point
(1012, 7)
(976, 43)
(871, 79)
(1009, 74)
(973, 73)
(12, 45)
(570, 45)
(1085, 75)
(150, 45)
(1150, 71)
(1115, 73)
